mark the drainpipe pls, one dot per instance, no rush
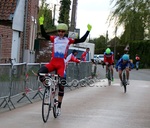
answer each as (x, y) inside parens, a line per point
(25, 26)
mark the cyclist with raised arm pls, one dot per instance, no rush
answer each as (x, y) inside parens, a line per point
(123, 63)
(59, 52)
(109, 60)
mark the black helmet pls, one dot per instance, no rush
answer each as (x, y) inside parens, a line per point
(74, 51)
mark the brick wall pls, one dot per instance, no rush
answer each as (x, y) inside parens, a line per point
(6, 32)
(6, 41)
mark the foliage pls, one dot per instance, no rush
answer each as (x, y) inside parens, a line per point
(134, 30)
(114, 41)
(64, 11)
(134, 16)
(100, 44)
(45, 10)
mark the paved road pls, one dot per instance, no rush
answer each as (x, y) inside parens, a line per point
(141, 74)
(99, 106)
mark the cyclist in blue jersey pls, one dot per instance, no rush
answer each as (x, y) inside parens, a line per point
(123, 63)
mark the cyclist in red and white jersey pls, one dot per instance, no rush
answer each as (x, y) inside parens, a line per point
(109, 60)
(59, 52)
(72, 57)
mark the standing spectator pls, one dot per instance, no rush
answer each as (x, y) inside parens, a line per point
(84, 54)
(137, 60)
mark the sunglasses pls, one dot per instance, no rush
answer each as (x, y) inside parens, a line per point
(61, 31)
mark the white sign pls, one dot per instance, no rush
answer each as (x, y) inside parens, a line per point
(73, 35)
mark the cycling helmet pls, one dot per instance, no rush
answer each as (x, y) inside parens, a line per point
(108, 51)
(125, 57)
(62, 26)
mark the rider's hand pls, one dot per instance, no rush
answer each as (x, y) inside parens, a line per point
(41, 20)
(89, 27)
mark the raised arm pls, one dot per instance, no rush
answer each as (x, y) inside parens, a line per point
(44, 34)
(84, 37)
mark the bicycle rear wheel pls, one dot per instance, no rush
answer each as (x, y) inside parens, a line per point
(46, 105)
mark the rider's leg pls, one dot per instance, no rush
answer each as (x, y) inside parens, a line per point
(61, 73)
(112, 72)
(106, 70)
(127, 72)
(60, 95)
(43, 69)
(120, 74)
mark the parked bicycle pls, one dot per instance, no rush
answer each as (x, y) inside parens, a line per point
(49, 101)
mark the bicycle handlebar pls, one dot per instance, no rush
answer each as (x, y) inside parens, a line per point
(48, 74)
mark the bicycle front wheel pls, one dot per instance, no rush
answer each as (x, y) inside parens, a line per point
(46, 105)
(109, 77)
(124, 82)
(55, 108)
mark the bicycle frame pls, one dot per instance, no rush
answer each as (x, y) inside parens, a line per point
(52, 86)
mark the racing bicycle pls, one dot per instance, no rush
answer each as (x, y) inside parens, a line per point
(49, 101)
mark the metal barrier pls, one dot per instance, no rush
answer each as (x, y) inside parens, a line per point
(32, 80)
(19, 78)
(6, 85)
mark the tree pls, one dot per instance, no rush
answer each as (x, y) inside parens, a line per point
(100, 44)
(134, 16)
(64, 11)
(45, 10)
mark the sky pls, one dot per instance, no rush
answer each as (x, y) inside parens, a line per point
(94, 12)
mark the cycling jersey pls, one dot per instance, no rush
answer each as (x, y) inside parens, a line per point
(84, 56)
(109, 58)
(72, 58)
(121, 66)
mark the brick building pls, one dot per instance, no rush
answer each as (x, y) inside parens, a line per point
(18, 28)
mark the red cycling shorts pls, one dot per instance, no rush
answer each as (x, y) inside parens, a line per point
(57, 64)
